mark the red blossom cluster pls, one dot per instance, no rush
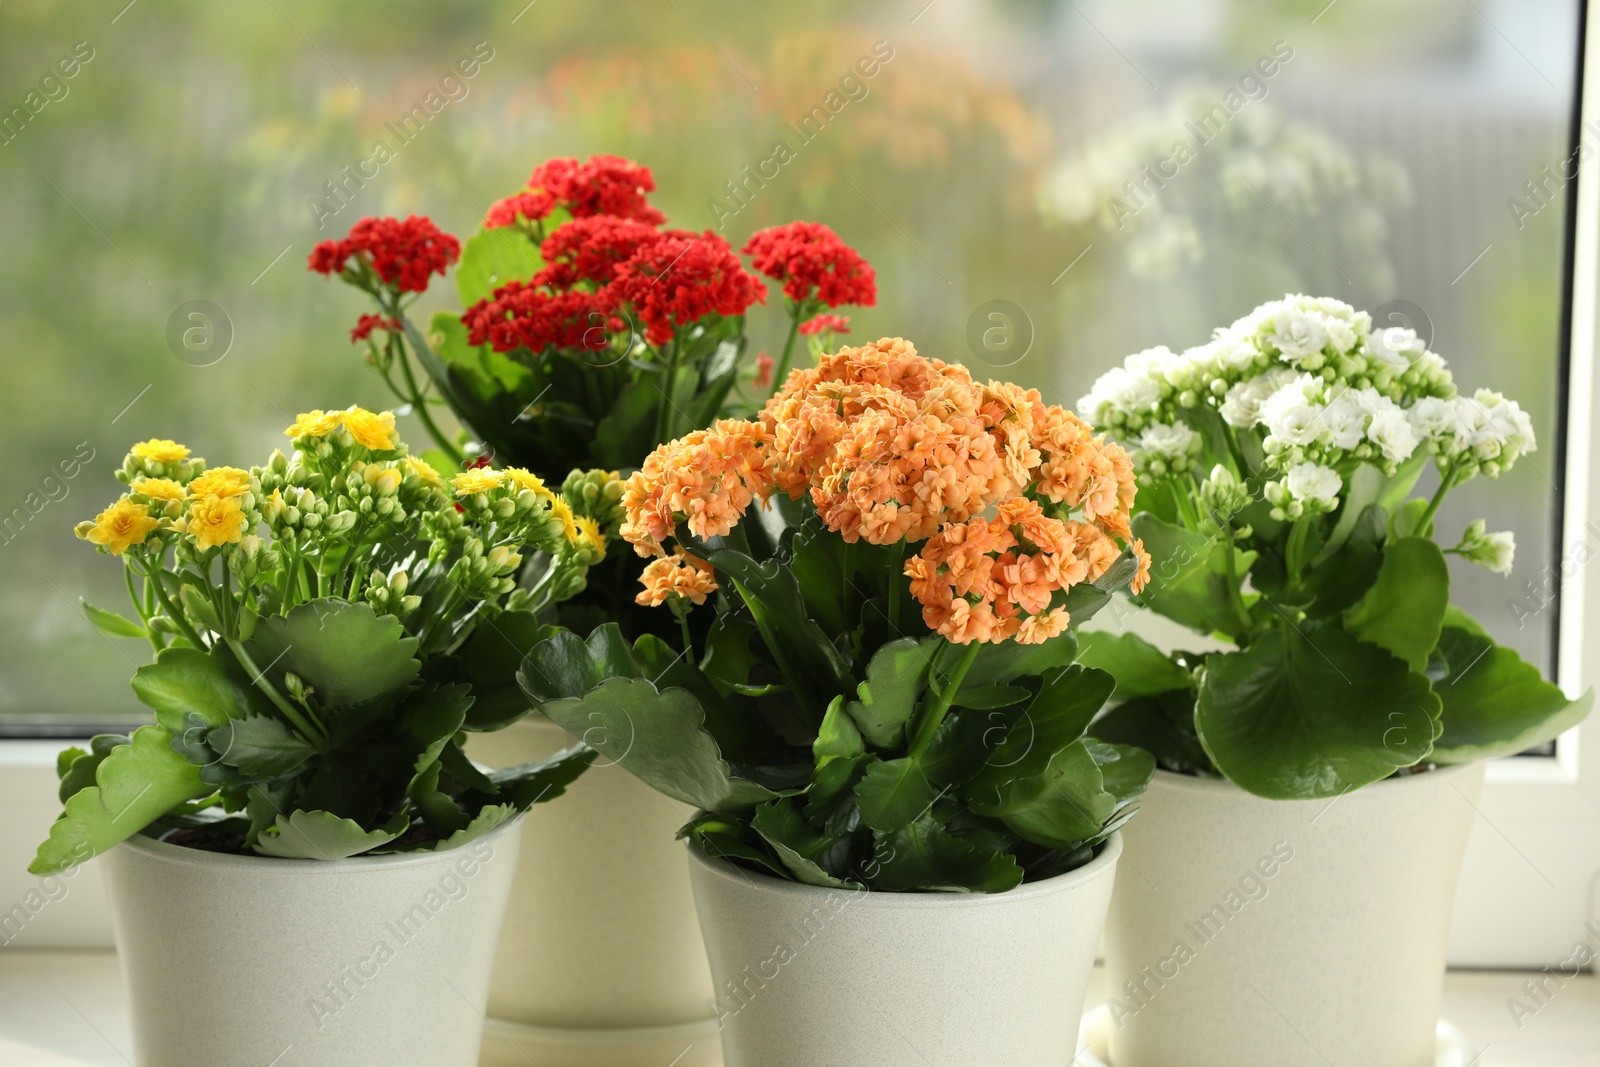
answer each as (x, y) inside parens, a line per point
(836, 323)
(677, 280)
(528, 315)
(367, 323)
(590, 249)
(813, 264)
(401, 253)
(605, 185)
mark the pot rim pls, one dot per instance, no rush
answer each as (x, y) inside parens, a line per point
(1102, 865)
(198, 857)
(1195, 783)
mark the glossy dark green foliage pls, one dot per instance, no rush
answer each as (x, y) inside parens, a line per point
(795, 727)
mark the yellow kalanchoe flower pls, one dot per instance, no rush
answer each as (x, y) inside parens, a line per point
(526, 479)
(477, 480)
(121, 526)
(424, 470)
(563, 513)
(160, 450)
(221, 481)
(317, 423)
(371, 429)
(589, 539)
(164, 489)
(214, 520)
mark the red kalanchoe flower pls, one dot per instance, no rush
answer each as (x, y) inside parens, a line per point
(401, 253)
(367, 323)
(678, 280)
(606, 185)
(825, 321)
(763, 378)
(590, 249)
(529, 205)
(811, 261)
(525, 315)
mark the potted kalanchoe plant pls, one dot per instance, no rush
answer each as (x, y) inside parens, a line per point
(588, 333)
(1329, 748)
(900, 817)
(301, 816)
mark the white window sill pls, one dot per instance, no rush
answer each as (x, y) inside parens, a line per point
(68, 1009)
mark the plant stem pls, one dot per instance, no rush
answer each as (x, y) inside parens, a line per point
(174, 613)
(664, 412)
(897, 557)
(1235, 596)
(688, 641)
(311, 731)
(1446, 483)
(419, 407)
(781, 371)
(935, 713)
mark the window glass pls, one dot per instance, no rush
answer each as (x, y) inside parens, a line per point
(988, 156)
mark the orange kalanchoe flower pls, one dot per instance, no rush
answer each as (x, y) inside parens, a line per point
(891, 446)
(674, 578)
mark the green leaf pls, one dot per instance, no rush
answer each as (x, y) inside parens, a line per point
(347, 653)
(78, 772)
(1125, 771)
(991, 697)
(1060, 807)
(1162, 725)
(1066, 703)
(428, 721)
(135, 785)
(796, 843)
(490, 659)
(322, 835)
(897, 675)
(1007, 661)
(722, 839)
(489, 818)
(1188, 582)
(110, 623)
(526, 784)
(1140, 668)
(1300, 715)
(924, 856)
(627, 432)
(660, 737)
(838, 736)
(184, 681)
(1495, 704)
(1404, 609)
(491, 258)
(894, 793)
(808, 659)
(260, 747)
(565, 666)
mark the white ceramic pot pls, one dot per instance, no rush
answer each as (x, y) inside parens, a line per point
(1267, 933)
(600, 958)
(298, 963)
(811, 977)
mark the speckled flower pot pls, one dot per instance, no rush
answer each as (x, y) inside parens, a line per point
(298, 963)
(1266, 933)
(600, 959)
(811, 977)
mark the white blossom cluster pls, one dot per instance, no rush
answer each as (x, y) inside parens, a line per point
(1317, 392)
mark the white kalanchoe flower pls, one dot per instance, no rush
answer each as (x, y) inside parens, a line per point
(1291, 415)
(1494, 551)
(1345, 419)
(1314, 484)
(1297, 336)
(1392, 433)
(1168, 442)
(1432, 418)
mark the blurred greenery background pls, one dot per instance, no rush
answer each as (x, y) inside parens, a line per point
(183, 159)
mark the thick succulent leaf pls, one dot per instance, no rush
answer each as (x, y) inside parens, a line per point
(322, 835)
(428, 721)
(136, 784)
(1056, 718)
(78, 771)
(490, 817)
(565, 666)
(1162, 725)
(924, 856)
(1188, 582)
(721, 838)
(1140, 668)
(1060, 807)
(894, 793)
(838, 737)
(346, 652)
(110, 623)
(1008, 661)
(491, 259)
(1495, 704)
(1404, 609)
(526, 784)
(660, 737)
(1300, 715)
(259, 747)
(811, 664)
(490, 659)
(185, 681)
(897, 676)
(799, 846)
(1125, 771)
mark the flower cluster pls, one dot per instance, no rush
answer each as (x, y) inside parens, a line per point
(813, 264)
(605, 185)
(402, 254)
(675, 281)
(1322, 390)
(893, 447)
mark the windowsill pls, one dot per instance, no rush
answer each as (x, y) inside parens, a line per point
(68, 1009)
